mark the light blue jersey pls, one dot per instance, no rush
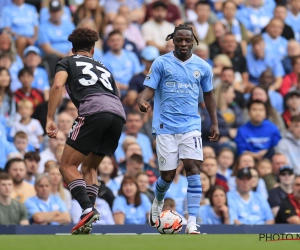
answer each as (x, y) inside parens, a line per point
(294, 22)
(20, 19)
(276, 47)
(256, 210)
(207, 216)
(177, 85)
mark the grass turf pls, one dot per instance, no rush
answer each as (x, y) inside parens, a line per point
(141, 242)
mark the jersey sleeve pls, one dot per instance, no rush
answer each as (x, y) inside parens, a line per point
(119, 206)
(62, 65)
(154, 75)
(206, 80)
(32, 208)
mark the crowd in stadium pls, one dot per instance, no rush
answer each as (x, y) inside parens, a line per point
(250, 176)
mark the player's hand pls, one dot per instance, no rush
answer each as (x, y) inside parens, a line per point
(144, 106)
(214, 131)
(51, 129)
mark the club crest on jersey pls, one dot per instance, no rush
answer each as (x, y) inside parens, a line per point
(196, 73)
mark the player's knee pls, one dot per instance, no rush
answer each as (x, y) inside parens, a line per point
(168, 176)
(191, 167)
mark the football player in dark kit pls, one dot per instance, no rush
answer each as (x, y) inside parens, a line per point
(97, 129)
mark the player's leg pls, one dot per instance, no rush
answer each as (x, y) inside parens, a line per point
(190, 151)
(167, 153)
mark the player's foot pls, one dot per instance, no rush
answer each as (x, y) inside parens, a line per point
(191, 228)
(84, 226)
(155, 211)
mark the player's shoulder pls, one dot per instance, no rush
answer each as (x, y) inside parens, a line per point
(163, 58)
(200, 62)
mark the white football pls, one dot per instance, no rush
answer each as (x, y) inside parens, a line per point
(169, 222)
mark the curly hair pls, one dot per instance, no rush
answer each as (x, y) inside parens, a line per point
(182, 27)
(83, 39)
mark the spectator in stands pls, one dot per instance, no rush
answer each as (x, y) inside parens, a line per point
(92, 10)
(292, 106)
(53, 36)
(148, 55)
(229, 47)
(204, 30)
(64, 123)
(225, 160)
(202, 50)
(187, 10)
(71, 109)
(32, 59)
(47, 154)
(130, 207)
(142, 180)
(21, 19)
(30, 126)
(210, 166)
(107, 171)
(215, 47)
(260, 93)
(12, 212)
(255, 17)
(155, 30)
(21, 143)
(48, 165)
(278, 194)
(17, 170)
(260, 60)
(123, 64)
(293, 17)
(293, 51)
(234, 26)
(208, 152)
(102, 207)
(178, 189)
(258, 136)
(266, 80)
(34, 95)
(264, 168)
(291, 81)
(248, 207)
(289, 144)
(254, 179)
(7, 101)
(217, 212)
(289, 211)
(45, 13)
(44, 208)
(119, 24)
(273, 39)
(31, 160)
(206, 187)
(280, 12)
(133, 125)
(57, 188)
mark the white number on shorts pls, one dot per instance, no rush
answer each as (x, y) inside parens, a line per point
(196, 140)
(94, 78)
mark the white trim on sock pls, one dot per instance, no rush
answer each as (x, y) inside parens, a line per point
(192, 219)
(86, 211)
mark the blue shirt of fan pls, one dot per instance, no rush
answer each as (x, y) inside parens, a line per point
(258, 66)
(177, 86)
(133, 215)
(56, 35)
(254, 211)
(294, 22)
(277, 47)
(35, 205)
(177, 192)
(123, 66)
(20, 19)
(45, 14)
(41, 79)
(114, 186)
(256, 138)
(207, 216)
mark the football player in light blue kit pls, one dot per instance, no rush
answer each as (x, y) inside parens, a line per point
(175, 80)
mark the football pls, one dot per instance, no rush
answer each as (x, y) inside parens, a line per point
(169, 222)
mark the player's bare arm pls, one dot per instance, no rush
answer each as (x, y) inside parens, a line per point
(210, 104)
(54, 99)
(143, 99)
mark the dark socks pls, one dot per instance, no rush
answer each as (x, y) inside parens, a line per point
(92, 192)
(79, 192)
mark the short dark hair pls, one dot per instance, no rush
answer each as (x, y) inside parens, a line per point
(137, 198)
(4, 176)
(295, 118)
(295, 59)
(280, 5)
(159, 4)
(33, 156)
(202, 3)
(228, 1)
(83, 39)
(25, 70)
(136, 158)
(114, 32)
(228, 68)
(182, 27)
(252, 102)
(134, 112)
(12, 161)
(256, 39)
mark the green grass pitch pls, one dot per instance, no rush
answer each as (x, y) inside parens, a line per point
(141, 242)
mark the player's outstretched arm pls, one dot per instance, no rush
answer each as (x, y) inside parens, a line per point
(54, 99)
(211, 107)
(144, 97)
